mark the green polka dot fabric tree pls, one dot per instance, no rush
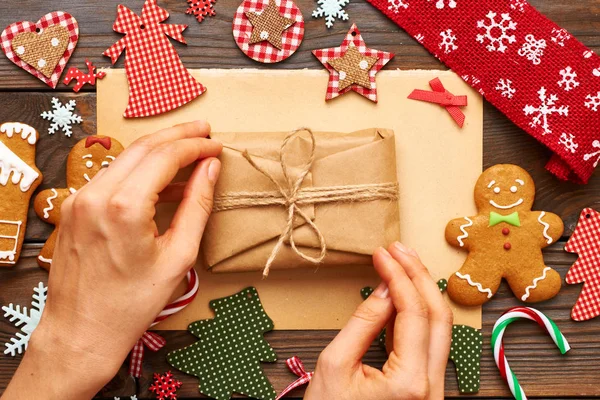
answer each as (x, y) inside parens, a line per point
(227, 357)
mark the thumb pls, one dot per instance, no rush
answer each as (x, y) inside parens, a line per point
(186, 230)
(367, 322)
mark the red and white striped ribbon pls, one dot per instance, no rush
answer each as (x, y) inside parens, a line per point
(153, 341)
(295, 365)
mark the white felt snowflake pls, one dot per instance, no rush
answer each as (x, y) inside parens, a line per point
(331, 9)
(560, 36)
(533, 49)
(593, 102)
(587, 157)
(568, 140)
(505, 88)
(134, 397)
(420, 37)
(497, 32)
(518, 5)
(448, 42)
(568, 80)
(397, 5)
(62, 116)
(440, 4)
(546, 108)
(25, 320)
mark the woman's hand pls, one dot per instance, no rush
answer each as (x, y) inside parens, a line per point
(111, 273)
(419, 328)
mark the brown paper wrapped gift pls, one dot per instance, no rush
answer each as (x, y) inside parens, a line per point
(303, 198)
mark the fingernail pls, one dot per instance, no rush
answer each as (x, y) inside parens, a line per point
(214, 169)
(402, 248)
(413, 252)
(382, 291)
(385, 252)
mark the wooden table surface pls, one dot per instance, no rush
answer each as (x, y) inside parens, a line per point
(535, 359)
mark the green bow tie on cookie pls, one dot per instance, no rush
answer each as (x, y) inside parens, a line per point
(512, 219)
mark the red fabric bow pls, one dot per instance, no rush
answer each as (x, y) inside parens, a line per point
(444, 98)
(153, 342)
(295, 365)
(103, 141)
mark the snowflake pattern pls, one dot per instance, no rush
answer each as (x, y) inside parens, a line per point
(440, 4)
(593, 102)
(567, 140)
(497, 42)
(589, 156)
(560, 36)
(27, 321)
(331, 9)
(396, 5)
(568, 81)
(505, 88)
(165, 386)
(546, 108)
(420, 38)
(62, 116)
(134, 397)
(448, 42)
(518, 5)
(201, 9)
(533, 49)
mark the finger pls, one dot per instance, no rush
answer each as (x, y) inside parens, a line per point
(173, 193)
(440, 315)
(156, 171)
(184, 235)
(411, 326)
(131, 157)
(369, 319)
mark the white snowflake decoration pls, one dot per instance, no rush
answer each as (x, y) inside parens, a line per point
(134, 397)
(505, 88)
(396, 5)
(518, 5)
(560, 36)
(497, 42)
(440, 4)
(27, 321)
(546, 108)
(587, 157)
(331, 9)
(420, 37)
(593, 102)
(567, 140)
(568, 81)
(533, 49)
(448, 42)
(62, 116)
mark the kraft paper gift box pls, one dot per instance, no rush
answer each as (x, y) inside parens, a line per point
(345, 205)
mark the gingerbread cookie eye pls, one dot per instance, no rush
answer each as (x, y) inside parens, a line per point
(513, 189)
(89, 164)
(105, 164)
(497, 189)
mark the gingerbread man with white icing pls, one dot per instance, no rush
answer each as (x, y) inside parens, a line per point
(86, 158)
(504, 240)
(19, 177)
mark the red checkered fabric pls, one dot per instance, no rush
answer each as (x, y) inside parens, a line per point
(531, 69)
(150, 340)
(53, 18)
(297, 367)
(353, 37)
(158, 80)
(264, 51)
(585, 241)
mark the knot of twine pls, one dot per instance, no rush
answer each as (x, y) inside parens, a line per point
(291, 195)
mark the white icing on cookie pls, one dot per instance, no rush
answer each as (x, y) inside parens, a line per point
(517, 203)
(520, 182)
(45, 260)
(546, 227)
(8, 256)
(26, 131)
(492, 183)
(50, 205)
(534, 285)
(479, 286)
(73, 191)
(465, 233)
(11, 163)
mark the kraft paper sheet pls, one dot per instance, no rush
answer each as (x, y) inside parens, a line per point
(437, 165)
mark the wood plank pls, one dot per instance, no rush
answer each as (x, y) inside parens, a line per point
(211, 45)
(533, 356)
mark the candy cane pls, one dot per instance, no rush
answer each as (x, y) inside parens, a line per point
(498, 333)
(183, 301)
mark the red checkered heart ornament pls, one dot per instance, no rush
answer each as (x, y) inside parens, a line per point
(42, 48)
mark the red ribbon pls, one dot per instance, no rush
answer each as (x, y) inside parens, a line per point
(295, 365)
(150, 340)
(103, 141)
(444, 98)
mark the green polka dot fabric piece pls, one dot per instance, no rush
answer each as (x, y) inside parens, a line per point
(465, 353)
(366, 292)
(442, 285)
(227, 357)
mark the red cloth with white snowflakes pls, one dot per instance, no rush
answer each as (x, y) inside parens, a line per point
(158, 81)
(532, 70)
(585, 241)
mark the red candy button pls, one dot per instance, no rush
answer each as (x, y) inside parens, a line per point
(507, 246)
(505, 231)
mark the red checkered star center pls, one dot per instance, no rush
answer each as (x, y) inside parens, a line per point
(353, 68)
(268, 25)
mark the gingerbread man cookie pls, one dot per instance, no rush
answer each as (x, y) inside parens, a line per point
(85, 160)
(19, 177)
(504, 240)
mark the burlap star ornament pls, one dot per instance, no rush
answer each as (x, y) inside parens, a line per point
(268, 25)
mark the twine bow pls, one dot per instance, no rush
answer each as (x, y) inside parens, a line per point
(150, 340)
(295, 365)
(441, 96)
(291, 195)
